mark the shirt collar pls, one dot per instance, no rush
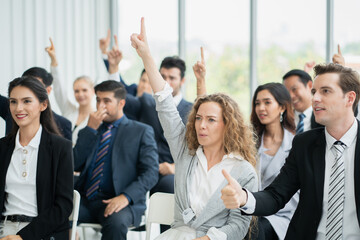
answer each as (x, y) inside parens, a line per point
(177, 98)
(34, 143)
(116, 123)
(307, 112)
(348, 138)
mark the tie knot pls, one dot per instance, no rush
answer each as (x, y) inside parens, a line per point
(339, 146)
(110, 126)
(301, 116)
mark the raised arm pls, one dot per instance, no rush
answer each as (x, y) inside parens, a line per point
(114, 57)
(139, 42)
(309, 66)
(105, 42)
(338, 57)
(60, 85)
(199, 69)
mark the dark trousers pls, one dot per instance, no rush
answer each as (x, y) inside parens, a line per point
(262, 231)
(165, 184)
(114, 227)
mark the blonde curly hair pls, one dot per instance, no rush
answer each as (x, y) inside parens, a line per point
(238, 137)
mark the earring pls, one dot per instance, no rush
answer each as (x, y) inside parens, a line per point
(281, 117)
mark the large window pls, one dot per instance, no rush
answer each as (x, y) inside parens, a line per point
(161, 19)
(222, 28)
(346, 33)
(290, 33)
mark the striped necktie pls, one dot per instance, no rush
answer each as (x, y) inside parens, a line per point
(300, 126)
(101, 155)
(336, 195)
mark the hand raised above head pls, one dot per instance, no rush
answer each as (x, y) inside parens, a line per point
(52, 53)
(115, 55)
(105, 42)
(199, 67)
(338, 57)
(139, 41)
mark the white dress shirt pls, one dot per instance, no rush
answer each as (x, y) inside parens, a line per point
(20, 185)
(351, 228)
(307, 120)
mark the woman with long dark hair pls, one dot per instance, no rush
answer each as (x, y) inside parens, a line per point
(36, 168)
(273, 120)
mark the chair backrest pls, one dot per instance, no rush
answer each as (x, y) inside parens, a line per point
(161, 210)
(75, 213)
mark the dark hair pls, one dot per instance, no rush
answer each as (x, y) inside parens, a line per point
(304, 76)
(112, 86)
(41, 73)
(348, 78)
(282, 97)
(174, 62)
(142, 72)
(46, 116)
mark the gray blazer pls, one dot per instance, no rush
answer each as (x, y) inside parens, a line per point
(231, 222)
(280, 220)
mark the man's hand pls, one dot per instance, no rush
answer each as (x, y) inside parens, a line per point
(338, 57)
(232, 194)
(199, 69)
(105, 42)
(166, 168)
(114, 57)
(52, 53)
(139, 41)
(115, 204)
(309, 66)
(96, 118)
(12, 237)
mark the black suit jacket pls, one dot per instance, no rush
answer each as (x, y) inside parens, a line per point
(54, 186)
(64, 126)
(304, 169)
(149, 116)
(313, 123)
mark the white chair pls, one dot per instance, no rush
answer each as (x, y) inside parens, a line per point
(75, 213)
(161, 210)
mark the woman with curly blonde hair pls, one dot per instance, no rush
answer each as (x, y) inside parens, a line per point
(216, 139)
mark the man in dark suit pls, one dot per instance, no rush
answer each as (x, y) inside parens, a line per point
(299, 84)
(118, 161)
(324, 164)
(42, 75)
(46, 78)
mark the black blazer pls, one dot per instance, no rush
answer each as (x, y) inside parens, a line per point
(149, 116)
(313, 123)
(54, 186)
(304, 169)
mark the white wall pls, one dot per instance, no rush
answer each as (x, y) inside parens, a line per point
(74, 25)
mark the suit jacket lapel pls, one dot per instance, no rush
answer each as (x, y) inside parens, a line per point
(43, 169)
(318, 161)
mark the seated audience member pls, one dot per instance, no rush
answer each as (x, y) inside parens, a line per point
(83, 87)
(273, 120)
(118, 161)
(36, 168)
(46, 78)
(215, 138)
(323, 164)
(299, 84)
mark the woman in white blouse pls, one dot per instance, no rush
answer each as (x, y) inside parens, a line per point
(36, 173)
(77, 112)
(273, 120)
(215, 138)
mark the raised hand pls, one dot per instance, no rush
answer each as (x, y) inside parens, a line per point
(115, 204)
(338, 57)
(232, 194)
(139, 41)
(105, 42)
(309, 66)
(52, 53)
(199, 67)
(114, 57)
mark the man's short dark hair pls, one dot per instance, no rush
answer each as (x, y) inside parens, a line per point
(174, 62)
(304, 76)
(348, 78)
(112, 86)
(41, 73)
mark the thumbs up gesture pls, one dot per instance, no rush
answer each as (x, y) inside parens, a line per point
(232, 194)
